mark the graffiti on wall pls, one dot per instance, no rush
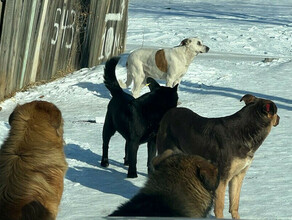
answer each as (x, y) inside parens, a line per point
(109, 38)
(64, 25)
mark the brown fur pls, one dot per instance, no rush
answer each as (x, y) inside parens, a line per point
(161, 61)
(181, 185)
(32, 163)
(230, 142)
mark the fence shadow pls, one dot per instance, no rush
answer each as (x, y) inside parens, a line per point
(190, 87)
(97, 89)
(211, 11)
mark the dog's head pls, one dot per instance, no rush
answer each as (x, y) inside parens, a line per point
(205, 171)
(263, 107)
(165, 97)
(38, 113)
(195, 45)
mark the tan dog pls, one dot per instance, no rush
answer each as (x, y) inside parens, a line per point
(170, 64)
(32, 163)
(230, 142)
(181, 186)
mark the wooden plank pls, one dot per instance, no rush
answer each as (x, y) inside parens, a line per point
(2, 74)
(49, 40)
(4, 47)
(36, 59)
(59, 42)
(30, 20)
(69, 39)
(12, 40)
(1, 5)
(111, 15)
(32, 40)
(2, 8)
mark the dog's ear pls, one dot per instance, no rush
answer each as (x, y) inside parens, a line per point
(185, 42)
(248, 98)
(269, 108)
(152, 83)
(157, 160)
(208, 175)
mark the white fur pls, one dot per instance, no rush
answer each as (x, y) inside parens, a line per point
(141, 64)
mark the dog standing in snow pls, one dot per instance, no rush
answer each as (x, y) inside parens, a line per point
(137, 120)
(170, 64)
(230, 142)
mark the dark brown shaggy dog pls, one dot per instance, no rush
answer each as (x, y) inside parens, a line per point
(137, 120)
(181, 185)
(32, 163)
(229, 142)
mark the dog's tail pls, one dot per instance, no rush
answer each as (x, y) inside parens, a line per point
(110, 79)
(35, 210)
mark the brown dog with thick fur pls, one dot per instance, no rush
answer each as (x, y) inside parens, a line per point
(228, 141)
(181, 186)
(32, 163)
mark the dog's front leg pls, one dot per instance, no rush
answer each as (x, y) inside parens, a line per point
(104, 160)
(234, 193)
(174, 77)
(219, 200)
(170, 82)
(151, 146)
(126, 158)
(132, 155)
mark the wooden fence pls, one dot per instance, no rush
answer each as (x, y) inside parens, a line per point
(43, 39)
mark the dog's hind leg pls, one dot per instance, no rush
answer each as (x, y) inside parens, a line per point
(138, 85)
(234, 193)
(151, 146)
(132, 153)
(126, 158)
(170, 83)
(107, 132)
(128, 82)
(129, 79)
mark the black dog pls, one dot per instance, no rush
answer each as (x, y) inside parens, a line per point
(137, 120)
(229, 141)
(181, 186)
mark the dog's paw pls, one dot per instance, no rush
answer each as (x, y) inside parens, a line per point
(104, 163)
(132, 175)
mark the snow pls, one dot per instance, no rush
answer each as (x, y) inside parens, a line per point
(240, 34)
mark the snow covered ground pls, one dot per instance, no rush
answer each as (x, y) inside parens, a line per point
(240, 34)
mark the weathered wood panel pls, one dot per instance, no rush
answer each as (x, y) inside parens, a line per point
(42, 39)
(107, 22)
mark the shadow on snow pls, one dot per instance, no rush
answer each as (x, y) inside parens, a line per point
(106, 180)
(190, 87)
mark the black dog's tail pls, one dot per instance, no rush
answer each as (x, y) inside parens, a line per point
(110, 79)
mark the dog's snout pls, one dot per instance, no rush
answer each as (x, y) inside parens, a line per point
(207, 49)
(277, 121)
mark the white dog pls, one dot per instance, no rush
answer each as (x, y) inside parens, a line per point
(170, 64)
